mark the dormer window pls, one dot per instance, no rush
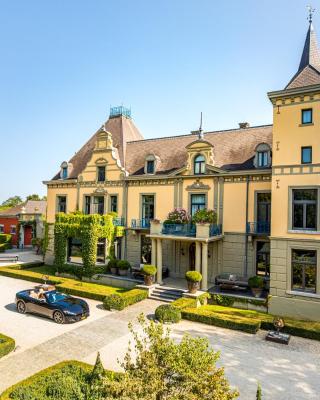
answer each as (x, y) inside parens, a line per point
(101, 173)
(64, 172)
(150, 167)
(65, 169)
(199, 164)
(262, 157)
(150, 164)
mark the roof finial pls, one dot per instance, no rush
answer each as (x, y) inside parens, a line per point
(200, 128)
(311, 11)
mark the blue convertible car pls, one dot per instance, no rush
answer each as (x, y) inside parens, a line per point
(46, 301)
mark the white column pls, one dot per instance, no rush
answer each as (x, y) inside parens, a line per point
(154, 251)
(204, 282)
(159, 261)
(198, 256)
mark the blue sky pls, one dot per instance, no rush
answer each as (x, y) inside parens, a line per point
(64, 63)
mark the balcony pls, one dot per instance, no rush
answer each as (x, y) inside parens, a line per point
(143, 223)
(258, 228)
(187, 230)
(118, 221)
(192, 230)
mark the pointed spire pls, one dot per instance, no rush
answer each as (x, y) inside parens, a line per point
(310, 54)
(309, 67)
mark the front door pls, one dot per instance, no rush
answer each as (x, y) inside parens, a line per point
(27, 235)
(192, 256)
(263, 258)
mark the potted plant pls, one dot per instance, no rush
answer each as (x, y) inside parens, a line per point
(256, 284)
(149, 272)
(203, 219)
(193, 279)
(113, 266)
(123, 267)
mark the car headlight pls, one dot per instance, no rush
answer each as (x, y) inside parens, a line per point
(67, 312)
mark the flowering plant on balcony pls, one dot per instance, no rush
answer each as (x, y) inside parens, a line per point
(204, 216)
(178, 216)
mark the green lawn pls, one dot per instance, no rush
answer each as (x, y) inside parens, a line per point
(95, 291)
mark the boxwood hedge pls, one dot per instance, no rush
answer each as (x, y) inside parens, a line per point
(119, 301)
(7, 344)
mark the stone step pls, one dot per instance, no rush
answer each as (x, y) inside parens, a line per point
(172, 293)
(160, 298)
(164, 295)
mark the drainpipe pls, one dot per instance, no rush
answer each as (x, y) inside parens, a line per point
(246, 234)
(125, 209)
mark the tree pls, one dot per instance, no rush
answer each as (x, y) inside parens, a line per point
(12, 201)
(259, 392)
(159, 368)
(35, 197)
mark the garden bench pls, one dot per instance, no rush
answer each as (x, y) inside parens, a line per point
(4, 258)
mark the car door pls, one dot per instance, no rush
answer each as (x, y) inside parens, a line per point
(40, 307)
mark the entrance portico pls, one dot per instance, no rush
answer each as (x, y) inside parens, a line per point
(201, 253)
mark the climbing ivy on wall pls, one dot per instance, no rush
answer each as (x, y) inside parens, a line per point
(88, 228)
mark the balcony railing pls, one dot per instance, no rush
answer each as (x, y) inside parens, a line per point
(258, 228)
(118, 221)
(215, 230)
(188, 230)
(143, 223)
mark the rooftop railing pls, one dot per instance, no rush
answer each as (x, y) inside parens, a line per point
(258, 228)
(215, 230)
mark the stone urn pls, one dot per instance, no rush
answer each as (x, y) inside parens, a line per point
(193, 287)
(148, 280)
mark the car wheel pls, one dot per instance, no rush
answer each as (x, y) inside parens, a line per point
(21, 307)
(58, 317)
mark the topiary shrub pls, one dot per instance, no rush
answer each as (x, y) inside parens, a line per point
(166, 313)
(112, 265)
(149, 270)
(123, 264)
(193, 276)
(256, 282)
(114, 302)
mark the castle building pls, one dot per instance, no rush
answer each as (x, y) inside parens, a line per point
(263, 183)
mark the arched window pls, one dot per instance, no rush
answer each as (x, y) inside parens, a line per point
(262, 157)
(199, 165)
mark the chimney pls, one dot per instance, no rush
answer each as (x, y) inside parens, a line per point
(244, 125)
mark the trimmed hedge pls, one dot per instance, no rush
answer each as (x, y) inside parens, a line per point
(167, 313)
(88, 290)
(224, 321)
(184, 302)
(306, 329)
(120, 301)
(26, 275)
(48, 383)
(7, 344)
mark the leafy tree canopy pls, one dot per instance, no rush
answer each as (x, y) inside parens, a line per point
(12, 201)
(159, 368)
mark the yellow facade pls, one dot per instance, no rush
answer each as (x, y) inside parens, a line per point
(239, 191)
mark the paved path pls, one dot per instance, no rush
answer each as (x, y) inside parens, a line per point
(25, 256)
(285, 372)
(76, 344)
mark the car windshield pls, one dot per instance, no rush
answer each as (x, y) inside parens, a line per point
(53, 297)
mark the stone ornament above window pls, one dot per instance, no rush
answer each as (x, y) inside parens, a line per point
(262, 158)
(198, 185)
(202, 148)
